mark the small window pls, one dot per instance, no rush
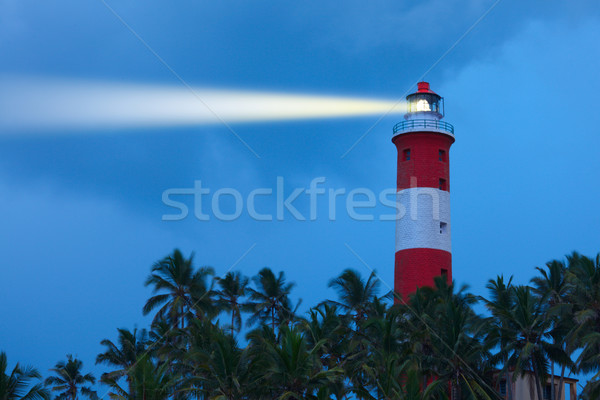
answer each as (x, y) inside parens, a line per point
(443, 185)
(443, 227)
(502, 387)
(547, 392)
(442, 155)
(406, 155)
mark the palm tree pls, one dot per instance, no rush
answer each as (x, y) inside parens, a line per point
(446, 339)
(357, 298)
(591, 391)
(412, 389)
(269, 302)
(180, 289)
(220, 369)
(404, 383)
(324, 324)
(356, 295)
(205, 359)
(416, 312)
(17, 385)
(295, 371)
(380, 367)
(149, 381)
(528, 325)
(584, 277)
(69, 380)
(326, 327)
(131, 346)
(460, 349)
(500, 303)
(232, 289)
(552, 284)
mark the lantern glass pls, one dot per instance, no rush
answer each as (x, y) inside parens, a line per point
(425, 102)
(423, 105)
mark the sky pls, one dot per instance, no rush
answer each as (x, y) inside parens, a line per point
(83, 215)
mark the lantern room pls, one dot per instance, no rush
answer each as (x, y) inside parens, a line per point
(424, 102)
(425, 110)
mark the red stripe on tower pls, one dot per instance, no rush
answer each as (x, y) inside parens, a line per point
(423, 245)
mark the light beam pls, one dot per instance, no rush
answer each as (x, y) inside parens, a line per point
(38, 104)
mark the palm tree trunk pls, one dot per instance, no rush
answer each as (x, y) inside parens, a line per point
(456, 394)
(538, 388)
(273, 318)
(130, 384)
(561, 382)
(538, 385)
(182, 316)
(453, 391)
(508, 385)
(232, 315)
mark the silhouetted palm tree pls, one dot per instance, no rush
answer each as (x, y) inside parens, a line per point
(180, 288)
(228, 297)
(499, 304)
(528, 325)
(459, 347)
(269, 302)
(417, 312)
(18, 384)
(324, 324)
(356, 295)
(131, 346)
(382, 360)
(220, 368)
(150, 381)
(69, 380)
(295, 370)
(446, 340)
(584, 278)
(413, 389)
(552, 285)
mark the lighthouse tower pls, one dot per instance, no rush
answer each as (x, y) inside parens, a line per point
(423, 140)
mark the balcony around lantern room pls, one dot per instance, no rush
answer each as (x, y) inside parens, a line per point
(424, 124)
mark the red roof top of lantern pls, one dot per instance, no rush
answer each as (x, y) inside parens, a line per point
(423, 87)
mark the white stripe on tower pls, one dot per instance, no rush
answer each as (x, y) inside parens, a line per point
(426, 220)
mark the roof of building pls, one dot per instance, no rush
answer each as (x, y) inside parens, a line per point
(566, 378)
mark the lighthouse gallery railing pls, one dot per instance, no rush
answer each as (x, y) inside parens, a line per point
(423, 123)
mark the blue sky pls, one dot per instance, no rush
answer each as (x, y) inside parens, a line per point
(82, 212)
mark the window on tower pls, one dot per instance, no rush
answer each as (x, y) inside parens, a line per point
(443, 227)
(443, 185)
(442, 155)
(406, 155)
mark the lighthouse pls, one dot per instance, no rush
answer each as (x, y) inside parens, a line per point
(423, 245)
